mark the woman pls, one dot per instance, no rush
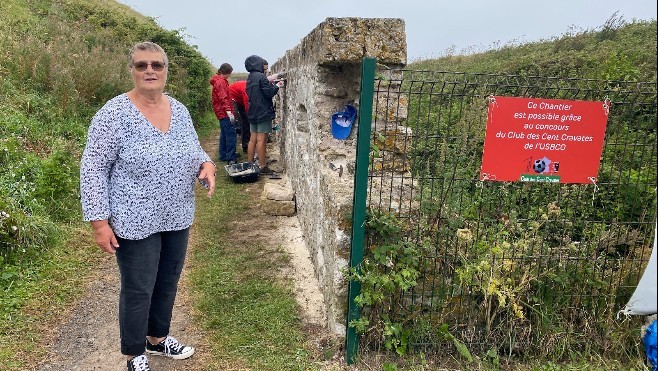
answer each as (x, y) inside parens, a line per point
(137, 177)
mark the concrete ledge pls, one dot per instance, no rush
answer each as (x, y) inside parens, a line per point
(348, 40)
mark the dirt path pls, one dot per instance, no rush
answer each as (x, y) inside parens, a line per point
(88, 339)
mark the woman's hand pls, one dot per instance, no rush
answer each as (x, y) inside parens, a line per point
(207, 174)
(104, 236)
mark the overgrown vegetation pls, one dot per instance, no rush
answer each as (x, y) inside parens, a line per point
(617, 50)
(510, 272)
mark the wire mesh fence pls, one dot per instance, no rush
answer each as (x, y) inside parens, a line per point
(514, 266)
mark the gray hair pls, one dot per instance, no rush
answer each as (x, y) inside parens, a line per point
(149, 47)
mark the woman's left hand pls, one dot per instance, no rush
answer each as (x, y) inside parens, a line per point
(207, 174)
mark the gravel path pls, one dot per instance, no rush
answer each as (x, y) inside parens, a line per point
(89, 338)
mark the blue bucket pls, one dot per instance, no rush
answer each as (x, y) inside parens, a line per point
(650, 345)
(341, 122)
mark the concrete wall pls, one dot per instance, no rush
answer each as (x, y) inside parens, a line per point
(323, 74)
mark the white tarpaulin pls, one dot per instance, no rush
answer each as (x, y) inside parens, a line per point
(643, 301)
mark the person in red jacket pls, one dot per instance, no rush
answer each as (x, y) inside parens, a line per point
(238, 94)
(221, 104)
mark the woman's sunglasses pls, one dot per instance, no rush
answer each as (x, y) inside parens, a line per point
(141, 66)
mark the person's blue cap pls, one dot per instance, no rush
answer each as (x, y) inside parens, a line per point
(341, 122)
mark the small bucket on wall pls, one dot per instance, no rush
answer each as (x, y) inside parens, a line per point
(341, 122)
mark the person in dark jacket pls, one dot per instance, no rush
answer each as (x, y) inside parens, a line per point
(261, 109)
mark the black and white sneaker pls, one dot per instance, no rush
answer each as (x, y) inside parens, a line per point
(265, 170)
(139, 363)
(170, 347)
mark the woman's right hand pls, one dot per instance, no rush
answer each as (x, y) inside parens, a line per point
(104, 236)
(207, 173)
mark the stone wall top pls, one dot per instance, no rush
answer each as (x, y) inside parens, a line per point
(348, 40)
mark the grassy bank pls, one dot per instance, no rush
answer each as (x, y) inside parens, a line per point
(45, 286)
(245, 306)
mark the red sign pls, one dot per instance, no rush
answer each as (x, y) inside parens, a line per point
(543, 140)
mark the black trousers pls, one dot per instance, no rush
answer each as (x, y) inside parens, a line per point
(150, 269)
(245, 133)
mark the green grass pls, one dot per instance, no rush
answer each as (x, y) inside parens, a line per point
(37, 289)
(249, 313)
(594, 363)
(617, 50)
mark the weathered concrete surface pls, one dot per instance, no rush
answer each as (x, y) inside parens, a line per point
(323, 75)
(347, 40)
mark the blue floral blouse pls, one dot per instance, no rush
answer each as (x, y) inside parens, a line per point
(140, 178)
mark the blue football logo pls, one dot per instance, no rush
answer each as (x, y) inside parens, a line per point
(539, 166)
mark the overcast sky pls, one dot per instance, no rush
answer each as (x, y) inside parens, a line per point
(230, 31)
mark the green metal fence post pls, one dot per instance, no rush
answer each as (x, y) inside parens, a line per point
(360, 194)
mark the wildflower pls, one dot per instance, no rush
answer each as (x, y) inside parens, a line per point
(464, 234)
(553, 209)
(516, 308)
